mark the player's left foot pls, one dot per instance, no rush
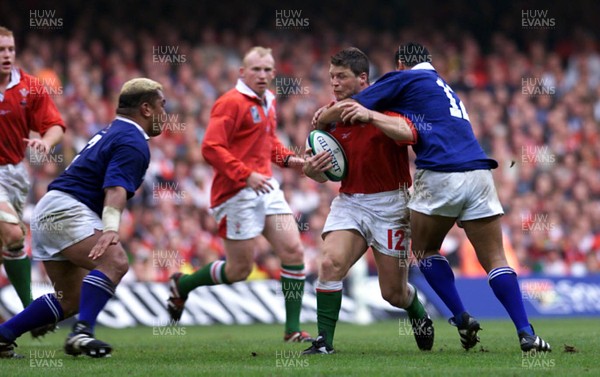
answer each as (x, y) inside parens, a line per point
(533, 343)
(319, 347)
(7, 349)
(423, 332)
(467, 330)
(298, 337)
(175, 302)
(43, 330)
(82, 341)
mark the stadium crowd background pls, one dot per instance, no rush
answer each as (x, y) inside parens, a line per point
(532, 94)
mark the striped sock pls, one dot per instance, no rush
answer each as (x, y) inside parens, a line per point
(43, 311)
(415, 310)
(503, 281)
(96, 290)
(292, 287)
(329, 302)
(211, 274)
(440, 277)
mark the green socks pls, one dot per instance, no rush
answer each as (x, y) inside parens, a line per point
(292, 287)
(329, 302)
(19, 274)
(211, 274)
(415, 310)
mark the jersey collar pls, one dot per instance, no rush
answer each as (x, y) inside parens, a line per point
(424, 65)
(15, 78)
(123, 119)
(245, 90)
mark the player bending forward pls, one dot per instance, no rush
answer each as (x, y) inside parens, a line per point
(75, 225)
(371, 209)
(453, 183)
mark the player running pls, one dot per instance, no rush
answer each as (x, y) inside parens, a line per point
(240, 144)
(75, 226)
(25, 106)
(371, 207)
(453, 183)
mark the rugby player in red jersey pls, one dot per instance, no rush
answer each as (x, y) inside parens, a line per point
(371, 209)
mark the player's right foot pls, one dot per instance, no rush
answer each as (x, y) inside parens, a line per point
(423, 332)
(467, 330)
(175, 302)
(7, 349)
(319, 347)
(533, 343)
(82, 341)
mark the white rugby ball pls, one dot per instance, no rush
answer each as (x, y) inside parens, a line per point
(320, 141)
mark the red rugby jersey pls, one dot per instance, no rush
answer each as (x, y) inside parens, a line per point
(25, 106)
(376, 163)
(240, 138)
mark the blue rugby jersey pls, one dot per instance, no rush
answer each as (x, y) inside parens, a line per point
(118, 155)
(446, 141)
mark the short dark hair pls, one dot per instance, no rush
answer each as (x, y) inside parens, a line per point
(352, 58)
(411, 54)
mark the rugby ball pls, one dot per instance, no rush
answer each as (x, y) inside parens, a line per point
(319, 141)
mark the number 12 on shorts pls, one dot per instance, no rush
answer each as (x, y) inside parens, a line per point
(398, 235)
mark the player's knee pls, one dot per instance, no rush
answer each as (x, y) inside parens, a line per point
(121, 264)
(13, 239)
(117, 265)
(293, 254)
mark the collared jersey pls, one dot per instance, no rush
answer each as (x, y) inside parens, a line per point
(446, 140)
(117, 155)
(240, 139)
(25, 106)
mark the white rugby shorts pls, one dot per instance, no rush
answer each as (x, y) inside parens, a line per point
(382, 219)
(468, 195)
(14, 186)
(59, 221)
(242, 217)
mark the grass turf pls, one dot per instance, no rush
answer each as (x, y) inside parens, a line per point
(381, 349)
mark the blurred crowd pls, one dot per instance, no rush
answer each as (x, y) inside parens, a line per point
(534, 106)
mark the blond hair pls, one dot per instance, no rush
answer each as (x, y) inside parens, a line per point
(137, 91)
(261, 51)
(5, 32)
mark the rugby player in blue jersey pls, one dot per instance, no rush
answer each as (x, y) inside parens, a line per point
(453, 183)
(75, 225)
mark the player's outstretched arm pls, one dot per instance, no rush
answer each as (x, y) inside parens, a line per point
(52, 137)
(115, 199)
(395, 127)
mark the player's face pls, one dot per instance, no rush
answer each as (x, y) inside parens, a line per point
(344, 82)
(7, 54)
(257, 72)
(158, 115)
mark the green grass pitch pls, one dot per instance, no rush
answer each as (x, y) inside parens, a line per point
(381, 349)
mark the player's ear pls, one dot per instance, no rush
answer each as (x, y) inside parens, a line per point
(364, 78)
(242, 72)
(146, 110)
